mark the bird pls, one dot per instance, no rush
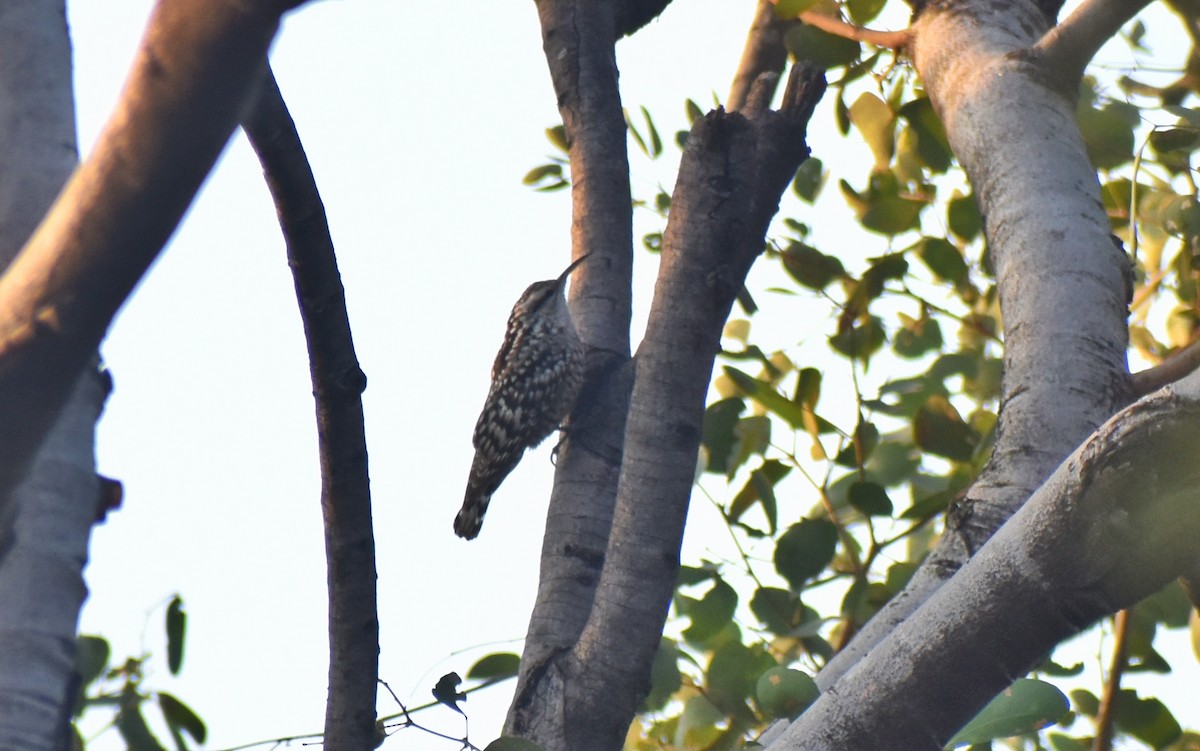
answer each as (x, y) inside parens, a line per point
(535, 381)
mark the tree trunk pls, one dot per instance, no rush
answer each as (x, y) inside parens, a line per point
(44, 531)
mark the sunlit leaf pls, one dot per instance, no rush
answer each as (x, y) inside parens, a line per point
(496, 666)
(822, 49)
(940, 430)
(1148, 720)
(875, 121)
(811, 267)
(810, 176)
(870, 499)
(665, 678)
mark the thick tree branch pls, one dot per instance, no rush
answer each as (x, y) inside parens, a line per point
(764, 53)
(891, 39)
(1112, 525)
(1069, 46)
(338, 384)
(578, 39)
(1051, 265)
(183, 99)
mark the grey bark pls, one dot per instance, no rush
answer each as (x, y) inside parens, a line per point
(44, 530)
(61, 291)
(1114, 523)
(1062, 281)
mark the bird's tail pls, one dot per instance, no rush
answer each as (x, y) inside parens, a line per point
(470, 516)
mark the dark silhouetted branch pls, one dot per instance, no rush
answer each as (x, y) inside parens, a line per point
(338, 384)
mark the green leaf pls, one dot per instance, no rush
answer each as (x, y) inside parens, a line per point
(917, 338)
(176, 631)
(541, 174)
(1148, 720)
(938, 428)
(788, 9)
(697, 726)
(652, 133)
(859, 450)
(863, 12)
(766, 395)
(732, 673)
(942, 258)
(1025, 707)
(1175, 139)
(1085, 702)
(91, 658)
(893, 462)
(494, 667)
(760, 488)
(783, 692)
(1108, 134)
(665, 678)
(811, 267)
(870, 499)
(509, 743)
(932, 145)
(892, 215)
(180, 716)
(809, 178)
(1060, 742)
(132, 725)
(777, 609)
(860, 340)
(711, 612)
(822, 49)
(717, 434)
(804, 550)
(875, 121)
(962, 215)
(557, 136)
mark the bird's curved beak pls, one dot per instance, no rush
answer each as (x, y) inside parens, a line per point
(562, 278)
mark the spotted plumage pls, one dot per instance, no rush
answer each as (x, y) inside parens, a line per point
(535, 381)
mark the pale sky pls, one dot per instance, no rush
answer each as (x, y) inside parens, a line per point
(420, 120)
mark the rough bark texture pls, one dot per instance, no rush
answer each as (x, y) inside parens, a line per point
(578, 40)
(338, 384)
(1062, 282)
(582, 695)
(764, 53)
(44, 531)
(1115, 523)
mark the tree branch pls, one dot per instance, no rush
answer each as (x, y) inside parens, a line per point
(1069, 46)
(1169, 370)
(578, 40)
(891, 39)
(731, 177)
(338, 384)
(184, 96)
(1112, 525)
(764, 53)
(632, 15)
(1106, 717)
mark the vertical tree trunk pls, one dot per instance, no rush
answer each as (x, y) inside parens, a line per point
(44, 534)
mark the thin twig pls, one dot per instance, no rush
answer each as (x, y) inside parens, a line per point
(1112, 686)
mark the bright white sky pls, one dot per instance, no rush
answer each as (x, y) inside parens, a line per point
(420, 122)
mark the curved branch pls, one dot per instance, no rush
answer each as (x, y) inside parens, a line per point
(1169, 370)
(891, 39)
(185, 94)
(1069, 46)
(1115, 522)
(338, 384)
